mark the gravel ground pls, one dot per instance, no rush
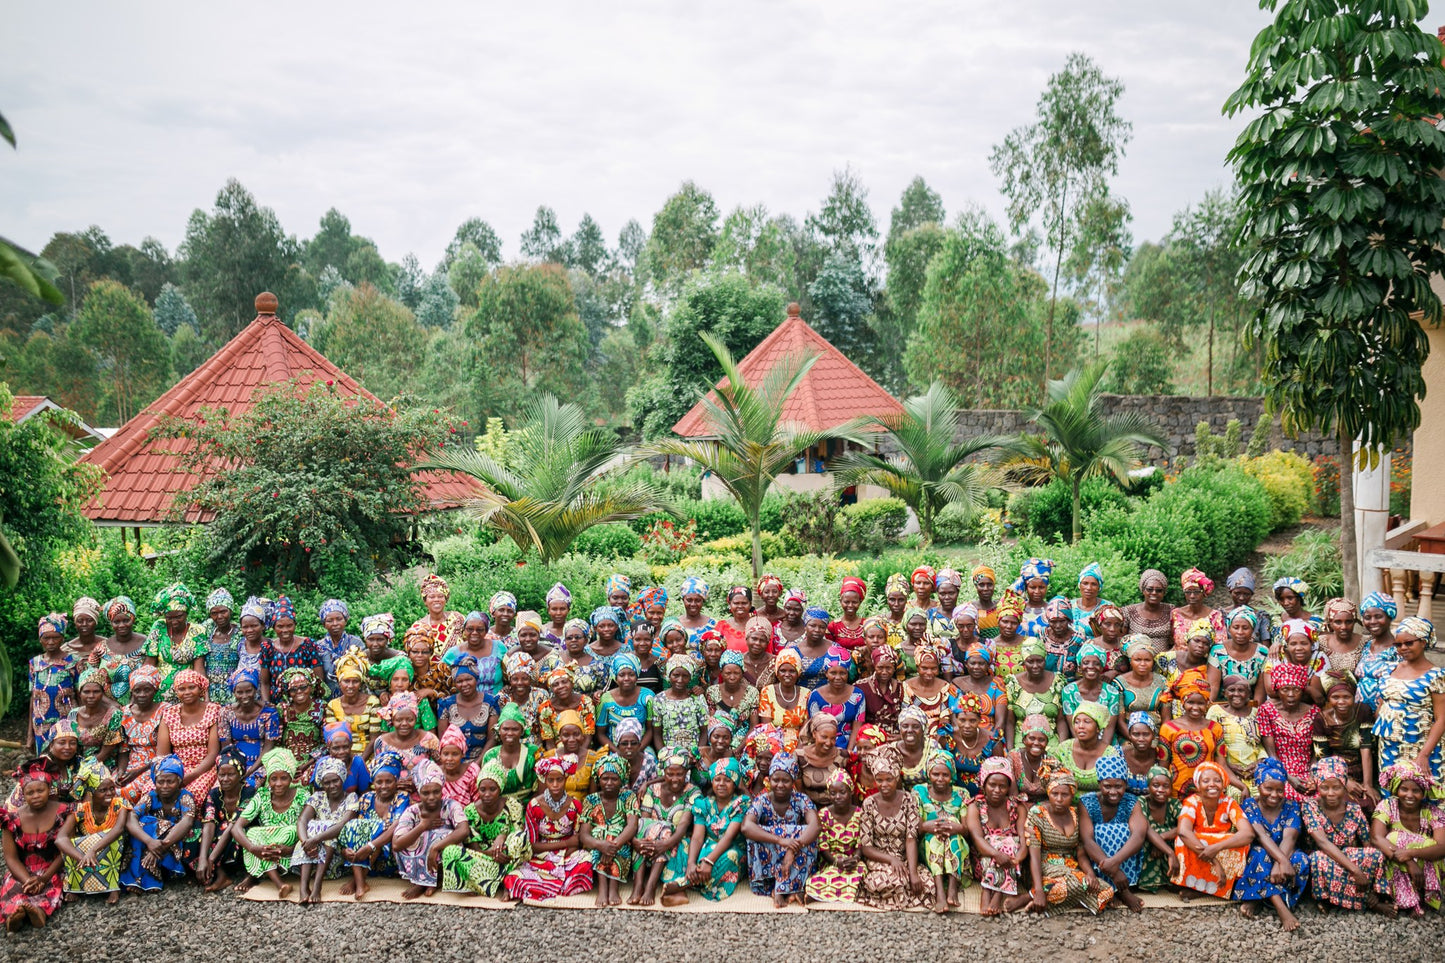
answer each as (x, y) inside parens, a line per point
(167, 926)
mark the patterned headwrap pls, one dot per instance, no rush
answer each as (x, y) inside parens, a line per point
(967, 610)
(171, 764)
(1405, 771)
(1288, 674)
(333, 605)
(1381, 601)
(840, 777)
(1422, 629)
(434, 584)
(647, 598)
(736, 590)
(1012, 604)
(1157, 771)
(1240, 578)
(769, 579)
(726, 766)
(627, 727)
(882, 764)
(1200, 629)
(1138, 642)
(1062, 777)
(1107, 611)
(1299, 627)
(1195, 577)
(884, 653)
(896, 583)
(529, 620)
(970, 702)
(558, 673)
(940, 758)
(617, 582)
(93, 674)
(283, 608)
(1094, 571)
(576, 625)
(796, 595)
(424, 772)
(626, 660)
(816, 613)
(853, 584)
(494, 771)
(670, 624)
(1033, 646)
(923, 570)
(1038, 722)
(279, 759)
(54, 622)
(788, 656)
(1295, 585)
(996, 766)
(85, 605)
(192, 677)
(680, 661)
(836, 656)
(1111, 765)
(1032, 569)
(1141, 718)
(911, 713)
(387, 760)
(511, 713)
(1093, 650)
(1270, 768)
(454, 737)
(65, 729)
(1340, 606)
(502, 600)
(1242, 612)
(519, 661)
(1058, 607)
(118, 606)
(730, 657)
(873, 733)
(758, 623)
(1150, 576)
(172, 598)
(693, 585)
(607, 613)
(145, 675)
(1331, 767)
(401, 702)
(979, 649)
(559, 593)
(1096, 711)
(329, 766)
(786, 762)
(985, 573)
(947, 576)
(614, 764)
(1330, 680)
(220, 598)
(258, 609)
(476, 616)
(466, 665)
(567, 717)
(674, 756)
(342, 728)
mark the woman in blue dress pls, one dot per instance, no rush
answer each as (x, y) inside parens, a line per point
(1274, 870)
(1115, 829)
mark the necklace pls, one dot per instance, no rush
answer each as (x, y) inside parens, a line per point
(556, 804)
(978, 737)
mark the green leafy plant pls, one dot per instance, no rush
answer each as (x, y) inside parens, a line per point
(1315, 558)
(875, 523)
(613, 540)
(1289, 480)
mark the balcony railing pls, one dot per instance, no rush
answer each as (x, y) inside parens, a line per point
(1408, 576)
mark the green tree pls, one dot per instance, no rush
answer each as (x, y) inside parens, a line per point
(173, 312)
(728, 307)
(1077, 441)
(1344, 216)
(755, 244)
(845, 223)
(843, 305)
(543, 240)
(528, 339)
(466, 273)
(439, 303)
(588, 248)
(1053, 167)
(919, 205)
(188, 351)
(479, 234)
(232, 254)
(332, 244)
(981, 320)
(1096, 262)
(557, 481)
(753, 444)
(930, 468)
(907, 254)
(684, 232)
(118, 328)
(372, 338)
(310, 469)
(1143, 364)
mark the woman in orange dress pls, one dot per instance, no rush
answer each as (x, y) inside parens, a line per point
(1214, 836)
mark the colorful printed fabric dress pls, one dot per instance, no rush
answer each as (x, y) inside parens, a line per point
(715, 821)
(1111, 835)
(171, 656)
(1404, 713)
(1329, 881)
(657, 821)
(1294, 742)
(323, 817)
(1218, 876)
(1396, 881)
(765, 860)
(1255, 883)
(106, 733)
(249, 738)
(558, 872)
(680, 720)
(603, 826)
(368, 824)
(1065, 884)
(1153, 868)
(192, 743)
(216, 813)
(943, 854)
(267, 827)
(104, 876)
(884, 885)
(52, 693)
(837, 842)
(140, 750)
(158, 818)
(469, 867)
(37, 851)
(411, 862)
(1005, 840)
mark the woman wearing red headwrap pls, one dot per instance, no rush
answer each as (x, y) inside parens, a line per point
(848, 630)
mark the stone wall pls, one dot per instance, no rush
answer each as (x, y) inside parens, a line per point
(1176, 416)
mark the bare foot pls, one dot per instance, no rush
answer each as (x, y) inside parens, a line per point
(940, 906)
(599, 901)
(635, 899)
(36, 917)
(1130, 900)
(780, 900)
(1288, 922)
(218, 884)
(1249, 911)
(1186, 894)
(244, 886)
(1386, 908)
(647, 898)
(69, 897)
(14, 921)
(412, 892)
(615, 899)
(674, 899)
(284, 891)
(112, 898)
(1016, 903)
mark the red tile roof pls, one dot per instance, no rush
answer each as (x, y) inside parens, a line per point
(833, 391)
(141, 479)
(23, 406)
(26, 407)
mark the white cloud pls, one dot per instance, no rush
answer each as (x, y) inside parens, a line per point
(411, 120)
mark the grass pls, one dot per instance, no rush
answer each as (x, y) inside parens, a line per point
(1189, 368)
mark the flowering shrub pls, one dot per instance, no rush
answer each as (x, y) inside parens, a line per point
(1401, 473)
(1288, 479)
(1327, 486)
(666, 542)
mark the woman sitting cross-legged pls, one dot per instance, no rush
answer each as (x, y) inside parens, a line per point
(166, 827)
(782, 831)
(1115, 830)
(266, 828)
(1274, 870)
(429, 820)
(609, 823)
(477, 855)
(558, 865)
(665, 811)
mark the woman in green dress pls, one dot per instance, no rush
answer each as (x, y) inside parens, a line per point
(608, 825)
(174, 641)
(266, 830)
(715, 856)
(945, 843)
(515, 757)
(665, 811)
(479, 853)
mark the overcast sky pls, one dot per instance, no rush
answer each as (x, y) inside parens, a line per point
(410, 118)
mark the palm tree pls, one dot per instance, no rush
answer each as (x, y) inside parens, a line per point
(552, 491)
(931, 469)
(1079, 441)
(752, 444)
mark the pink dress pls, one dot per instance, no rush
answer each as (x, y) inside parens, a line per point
(192, 743)
(464, 790)
(140, 747)
(555, 873)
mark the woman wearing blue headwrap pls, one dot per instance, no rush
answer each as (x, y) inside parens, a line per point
(607, 622)
(731, 700)
(168, 819)
(1377, 615)
(625, 700)
(1091, 591)
(813, 648)
(782, 827)
(1277, 824)
(248, 726)
(365, 840)
(1114, 828)
(694, 595)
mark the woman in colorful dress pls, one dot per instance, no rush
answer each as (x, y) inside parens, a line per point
(1286, 729)
(468, 709)
(1290, 593)
(287, 651)
(1141, 688)
(1191, 740)
(785, 703)
(139, 722)
(558, 865)
(839, 871)
(1092, 686)
(931, 691)
(174, 642)
(1082, 609)
(355, 706)
(790, 628)
(664, 825)
(1161, 810)
(53, 675)
(1240, 722)
(1411, 834)
(442, 625)
(1343, 864)
(486, 653)
(246, 726)
(93, 840)
(516, 757)
(32, 887)
(220, 648)
(716, 852)
(589, 673)
(943, 840)
(677, 715)
(1342, 731)
(782, 830)
(190, 729)
(405, 740)
(972, 744)
(839, 698)
(609, 823)
(1031, 762)
(421, 830)
(266, 828)
(1062, 874)
(219, 856)
(847, 631)
(1080, 754)
(122, 653)
(941, 629)
(1214, 836)
(882, 690)
(997, 825)
(894, 875)
(1061, 644)
(1377, 615)
(165, 827)
(366, 840)
(1033, 584)
(813, 648)
(1239, 653)
(303, 718)
(1115, 830)
(478, 855)
(1153, 617)
(325, 815)
(1141, 751)
(1034, 692)
(731, 700)
(626, 700)
(978, 679)
(1274, 869)
(96, 718)
(1408, 698)
(1197, 586)
(732, 630)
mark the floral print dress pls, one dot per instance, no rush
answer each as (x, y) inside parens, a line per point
(558, 872)
(837, 842)
(1329, 881)
(716, 820)
(884, 885)
(37, 850)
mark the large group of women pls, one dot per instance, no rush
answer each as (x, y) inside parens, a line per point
(1055, 750)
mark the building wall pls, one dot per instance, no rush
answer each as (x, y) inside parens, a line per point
(1427, 492)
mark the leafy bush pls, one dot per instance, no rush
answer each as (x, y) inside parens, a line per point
(666, 542)
(1143, 365)
(716, 517)
(1401, 471)
(1121, 573)
(958, 524)
(774, 546)
(816, 521)
(1326, 502)
(1288, 479)
(613, 540)
(875, 523)
(1314, 557)
(1048, 511)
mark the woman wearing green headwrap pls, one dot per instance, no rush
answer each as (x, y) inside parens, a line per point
(943, 839)
(715, 855)
(266, 830)
(515, 757)
(174, 641)
(1078, 755)
(391, 671)
(477, 854)
(1034, 691)
(1092, 686)
(609, 823)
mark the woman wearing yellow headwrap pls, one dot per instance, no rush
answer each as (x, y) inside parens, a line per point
(266, 828)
